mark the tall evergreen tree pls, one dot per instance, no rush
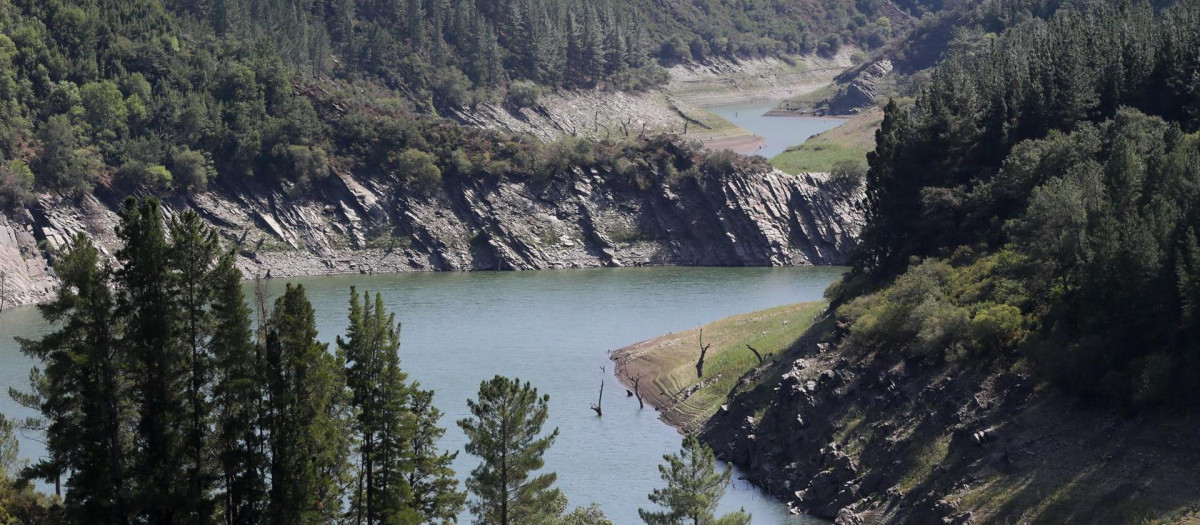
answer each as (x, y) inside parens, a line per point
(383, 425)
(192, 254)
(237, 399)
(151, 324)
(505, 431)
(305, 412)
(82, 391)
(694, 488)
(435, 492)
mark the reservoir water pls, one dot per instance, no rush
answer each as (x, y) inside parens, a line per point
(553, 328)
(777, 132)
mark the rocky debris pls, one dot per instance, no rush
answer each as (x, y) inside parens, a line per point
(346, 225)
(858, 92)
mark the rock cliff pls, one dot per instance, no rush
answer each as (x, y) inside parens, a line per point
(587, 219)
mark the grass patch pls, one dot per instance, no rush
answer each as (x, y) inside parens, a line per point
(673, 356)
(813, 156)
(849, 142)
(923, 456)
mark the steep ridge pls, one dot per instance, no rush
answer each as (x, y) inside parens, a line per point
(587, 219)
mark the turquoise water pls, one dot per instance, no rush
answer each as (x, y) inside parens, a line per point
(779, 133)
(553, 328)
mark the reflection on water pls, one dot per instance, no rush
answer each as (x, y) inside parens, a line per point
(553, 328)
(779, 133)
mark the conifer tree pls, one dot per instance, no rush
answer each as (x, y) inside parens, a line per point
(379, 396)
(306, 394)
(192, 253)
(82, 391)
(151, 336)
(505, 431)
(435, 492)
(694, 487)
(237, 399)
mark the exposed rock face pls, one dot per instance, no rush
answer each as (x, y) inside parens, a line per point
(347, 225)
(859, 92)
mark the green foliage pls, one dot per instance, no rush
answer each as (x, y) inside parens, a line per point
(694, 488)
(16, 185)
(936, 310)
(307, 427)
(523, 94)
(590, 515)
(996, 326)
(191, 169)
(387, 428)
(849, 173)
(1072, 160)
(418, 169)
(505, 432)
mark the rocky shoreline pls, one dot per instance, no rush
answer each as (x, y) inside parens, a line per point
(352, 226)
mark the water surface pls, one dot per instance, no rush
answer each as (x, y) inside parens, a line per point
(778, 132)
(553, 328)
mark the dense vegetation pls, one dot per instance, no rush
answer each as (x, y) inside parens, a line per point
(131, 96)
(165, 398)
(1041, 195)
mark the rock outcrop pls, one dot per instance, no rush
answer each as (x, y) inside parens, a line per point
(587, 219)
(858, 92)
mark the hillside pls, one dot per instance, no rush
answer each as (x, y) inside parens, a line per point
(1016, 341)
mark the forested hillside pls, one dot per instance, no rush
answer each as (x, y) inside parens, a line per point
(1041, 195)
(1019, 339)
(133, 96)
(147, 95)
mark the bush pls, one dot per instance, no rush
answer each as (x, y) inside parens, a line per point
(418, 170)
(722, 162)
(523, 94)
(996, 327)
(848, 172)
(16, 185)
(151, 177)
(192, 170)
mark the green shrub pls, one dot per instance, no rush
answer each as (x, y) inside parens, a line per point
(523, 94)
(151, 177)
(16, 185)
(848, 172)
(192, 170)
(996, 327)
(418, 170)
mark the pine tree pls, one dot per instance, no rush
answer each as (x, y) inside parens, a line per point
(383, 425)
(435, 492)
(192, 253)
(505, 432)
(151, 328)
(82, 391)
(237, 399)
(694, 488)
(305, 397)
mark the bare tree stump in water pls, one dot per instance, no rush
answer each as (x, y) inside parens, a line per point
(636, 392)
(596, 407)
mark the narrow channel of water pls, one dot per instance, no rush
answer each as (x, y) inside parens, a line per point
(777, 132)
(553, 328)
